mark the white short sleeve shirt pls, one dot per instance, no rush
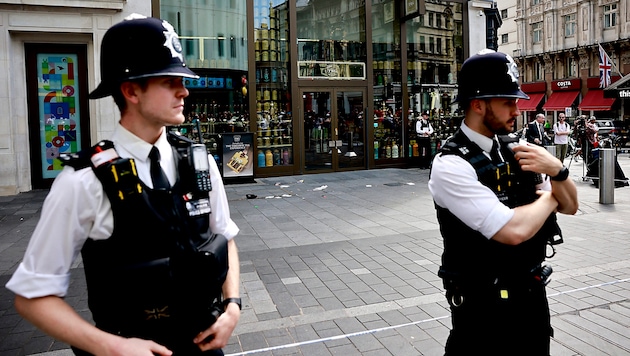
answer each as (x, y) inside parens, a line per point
(77, 208)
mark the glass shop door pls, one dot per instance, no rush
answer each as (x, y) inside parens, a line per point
(333, 123)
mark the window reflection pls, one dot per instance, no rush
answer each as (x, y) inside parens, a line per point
(331, 40)
(274, 121)
(388, 117)
(434, 53)
(214, 41)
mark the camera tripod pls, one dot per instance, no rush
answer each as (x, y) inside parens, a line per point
(583, 149)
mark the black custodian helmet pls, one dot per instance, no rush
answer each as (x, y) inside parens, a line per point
(489, 74)
(139, 47)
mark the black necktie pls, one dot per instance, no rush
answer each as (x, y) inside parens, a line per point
(494, 153)
(160, 182)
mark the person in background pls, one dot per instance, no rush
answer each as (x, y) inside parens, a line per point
(536, 130)
(424, 131)
(591, 139)
(591, 130)
(561, 131)
(496, 217)
(148, 212)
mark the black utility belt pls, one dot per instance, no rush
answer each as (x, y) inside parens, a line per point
(538, 274)
(460, 287)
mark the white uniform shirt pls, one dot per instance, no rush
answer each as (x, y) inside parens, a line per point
(77, 208)
(454, 185)
(423, 127)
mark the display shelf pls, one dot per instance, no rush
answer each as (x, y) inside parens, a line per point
(273, 127)
(277, 146)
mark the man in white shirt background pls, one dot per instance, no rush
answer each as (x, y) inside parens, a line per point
(561, 131)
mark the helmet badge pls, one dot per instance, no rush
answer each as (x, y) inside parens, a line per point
(172, 41)
(512, 69)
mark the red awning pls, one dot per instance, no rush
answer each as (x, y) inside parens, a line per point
(594, 100)
(532, 103)
(560, 100)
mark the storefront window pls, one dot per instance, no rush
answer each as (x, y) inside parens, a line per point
(331, 40)
(273, 100)
(432, 71)
(205, 28)
(214, 40)
(388, 119)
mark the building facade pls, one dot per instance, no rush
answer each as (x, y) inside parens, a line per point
(562, 48)
(48, 55)
(507, 34)
(345, 96)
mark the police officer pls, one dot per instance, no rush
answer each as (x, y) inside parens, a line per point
(424, 131)
(496, 217)
(153, 228)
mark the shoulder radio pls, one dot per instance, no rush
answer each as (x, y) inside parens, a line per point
(201, 167)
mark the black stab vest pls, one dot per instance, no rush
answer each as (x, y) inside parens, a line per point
(466, 251)
(151, 278)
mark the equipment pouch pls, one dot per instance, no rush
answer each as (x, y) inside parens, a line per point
(119, 178)
(213, 256)
(199, 277)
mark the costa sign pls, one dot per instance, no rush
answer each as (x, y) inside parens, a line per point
(572, 84)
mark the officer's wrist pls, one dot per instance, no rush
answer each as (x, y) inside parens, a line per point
(229, 301)
(561, 175)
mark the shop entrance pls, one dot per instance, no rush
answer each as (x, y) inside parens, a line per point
(334, 129)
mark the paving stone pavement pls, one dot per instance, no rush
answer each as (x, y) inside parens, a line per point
(346, 263)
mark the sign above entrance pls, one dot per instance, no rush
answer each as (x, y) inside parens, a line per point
(415, 8)
(331, 70)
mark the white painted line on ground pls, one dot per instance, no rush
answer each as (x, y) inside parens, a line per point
(371, 331)
(364, 332)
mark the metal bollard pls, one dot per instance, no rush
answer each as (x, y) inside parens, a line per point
(551, 149)
(607, 175)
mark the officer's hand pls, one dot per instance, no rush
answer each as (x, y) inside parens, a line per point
(537, 159)
(218, 335)
(136, 347)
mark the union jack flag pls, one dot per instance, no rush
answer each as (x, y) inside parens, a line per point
(605, 67)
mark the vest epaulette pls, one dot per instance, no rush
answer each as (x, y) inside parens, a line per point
(80, 159)
(460, 145)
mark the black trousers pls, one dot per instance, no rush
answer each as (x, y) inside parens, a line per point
(487, 324)
(424, 146)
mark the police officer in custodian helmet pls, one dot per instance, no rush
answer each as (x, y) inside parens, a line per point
(148, 211)
(496, 201)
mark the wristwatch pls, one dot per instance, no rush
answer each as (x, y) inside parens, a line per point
(227, 301)
(562, 175)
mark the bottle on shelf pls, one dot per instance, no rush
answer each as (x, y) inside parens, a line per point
(285, 156)
(268, 158)
(276, 157)
(388, 151)
(375, 149)
(261, 159)
(394, 150)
